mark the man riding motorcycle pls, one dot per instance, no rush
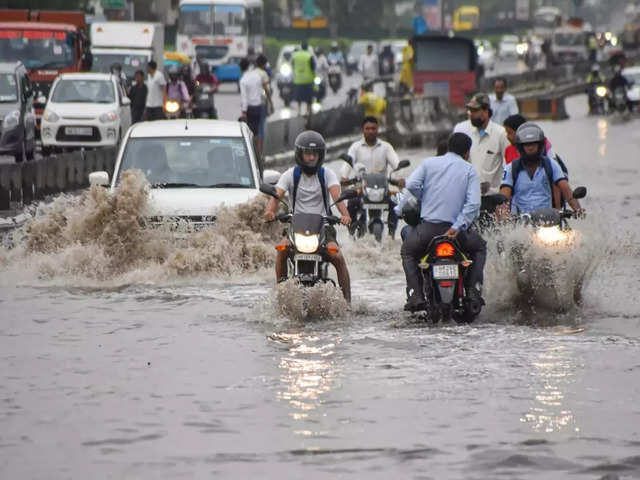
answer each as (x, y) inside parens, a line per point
(177, 90)
(448, 189)
(534, 181)
(619, 81)
(377, 156)
(594, 79)
(304, 184)
(335, 55)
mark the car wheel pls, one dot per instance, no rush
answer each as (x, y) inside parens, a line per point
(21, 155)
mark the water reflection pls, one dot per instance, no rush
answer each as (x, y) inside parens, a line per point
(309, 372)
(552, 373)
(603, 131)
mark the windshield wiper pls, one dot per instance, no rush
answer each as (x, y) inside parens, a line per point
(176, 185)
(226, 185)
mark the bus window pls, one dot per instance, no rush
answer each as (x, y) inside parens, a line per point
(195, 20)
(229, 20)
(255, 21)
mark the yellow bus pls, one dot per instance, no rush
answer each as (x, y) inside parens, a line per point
(466, 17)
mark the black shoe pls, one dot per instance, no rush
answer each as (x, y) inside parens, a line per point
(415, 303)
(474, 295)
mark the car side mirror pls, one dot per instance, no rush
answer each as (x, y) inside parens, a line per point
(271, 176)
(580, 192)
(268, 189)
(99, 178)
(403, 164)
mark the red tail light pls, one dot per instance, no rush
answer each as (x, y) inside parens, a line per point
(447, 283)
(445, 249)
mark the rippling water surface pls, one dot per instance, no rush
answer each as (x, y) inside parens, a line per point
(123, 355)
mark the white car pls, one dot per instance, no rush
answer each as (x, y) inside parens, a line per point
(85, 110)
(191, 171)
(633, 75)
(508, 46)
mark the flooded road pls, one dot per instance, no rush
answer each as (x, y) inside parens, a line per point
(135, 368)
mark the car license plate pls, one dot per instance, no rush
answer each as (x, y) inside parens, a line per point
(376, 206)
(83, 131)
(308, 257)
(445, 271)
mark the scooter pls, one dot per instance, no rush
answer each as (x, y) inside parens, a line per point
(204, 105)
(308, 260)
(284, 81)
(599, 100)
(335, 76)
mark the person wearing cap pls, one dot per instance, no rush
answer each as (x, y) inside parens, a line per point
(489, 143)
(503, 104)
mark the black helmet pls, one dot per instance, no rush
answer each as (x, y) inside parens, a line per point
(309, 141)
(115, 67)
(529, 133)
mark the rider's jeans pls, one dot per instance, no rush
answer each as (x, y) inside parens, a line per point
(417, 243)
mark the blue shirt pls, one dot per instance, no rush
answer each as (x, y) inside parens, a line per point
(449, 190)
(532, 193)
(503, 108)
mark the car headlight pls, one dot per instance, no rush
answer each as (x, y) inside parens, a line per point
(108, 117)
(306, 243)
(50, 116)
(601, 91)
(552, 235)
(171, 106)
(11, 120)
(522, 48)
(285, 69)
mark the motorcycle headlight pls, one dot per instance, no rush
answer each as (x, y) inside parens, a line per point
(552, 235)
(601, 91)
(108, 117)
(11, 120)
(171, 106)
(317, 81)
(50, 116)
(306, 243)
(285, 69)
(375, 194)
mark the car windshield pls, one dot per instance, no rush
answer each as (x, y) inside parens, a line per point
(632, 77)
(218, 162)
(212, 20)
(569, 39)
(83, 91)
(8, 88)
(130, 63)
(38, 48)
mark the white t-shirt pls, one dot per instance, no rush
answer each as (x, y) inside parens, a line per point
(250, 89)
(155, 84)
(381, 158)
(309, 197)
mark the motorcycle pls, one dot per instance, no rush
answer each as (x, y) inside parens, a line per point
(319, 88)
(173, 109)
(308, 260)
(374, 199)
(335, 76)
(538, 278)
(444, 269)
(284, 81)
(204, 105)
(620, 104)
(599, 100)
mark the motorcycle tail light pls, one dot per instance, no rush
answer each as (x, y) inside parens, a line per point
(445, 249)
(281, 248)
(333, 250)
(448, 283)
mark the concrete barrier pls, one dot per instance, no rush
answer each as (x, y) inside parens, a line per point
(543, 108)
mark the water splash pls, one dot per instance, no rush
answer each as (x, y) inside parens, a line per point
(296, 302)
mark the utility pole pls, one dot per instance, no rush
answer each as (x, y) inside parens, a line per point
(333, 21)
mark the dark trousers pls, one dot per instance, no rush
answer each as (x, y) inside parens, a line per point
(154, 113)
(355, 206)
(136, 115)
(416, 245)
(254, 116)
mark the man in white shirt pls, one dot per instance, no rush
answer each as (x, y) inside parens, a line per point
(368, 64)
(503, 104)
(376, 156)
(156, 93)
(489, 143)
(251, 96)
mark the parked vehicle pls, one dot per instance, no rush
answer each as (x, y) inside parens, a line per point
(48, 43)
(85, 110)
(17, 117)
(633, 75)
(130, 44)
(191, 171)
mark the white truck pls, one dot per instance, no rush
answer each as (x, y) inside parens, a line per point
(131, 44)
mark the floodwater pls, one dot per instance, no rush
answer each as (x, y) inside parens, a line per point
(126, 355)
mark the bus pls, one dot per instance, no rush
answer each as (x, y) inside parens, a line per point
(546, 20)
(466, 17)
(444, 66)
(220, 32)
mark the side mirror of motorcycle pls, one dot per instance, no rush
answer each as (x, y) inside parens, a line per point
(580, 192)
(347, 195)
(403, 164)
(347, 158)
(268, 189)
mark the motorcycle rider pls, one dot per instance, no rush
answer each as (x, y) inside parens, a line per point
(322, 64)
(620, 81)
(310, 152)
(206, 76)
(335, 55)
(448, 189)
(176, 89)
(594, 79)
(511, 125)
(187, 78)
(377, 156)
(534, 181)
(387, 61)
